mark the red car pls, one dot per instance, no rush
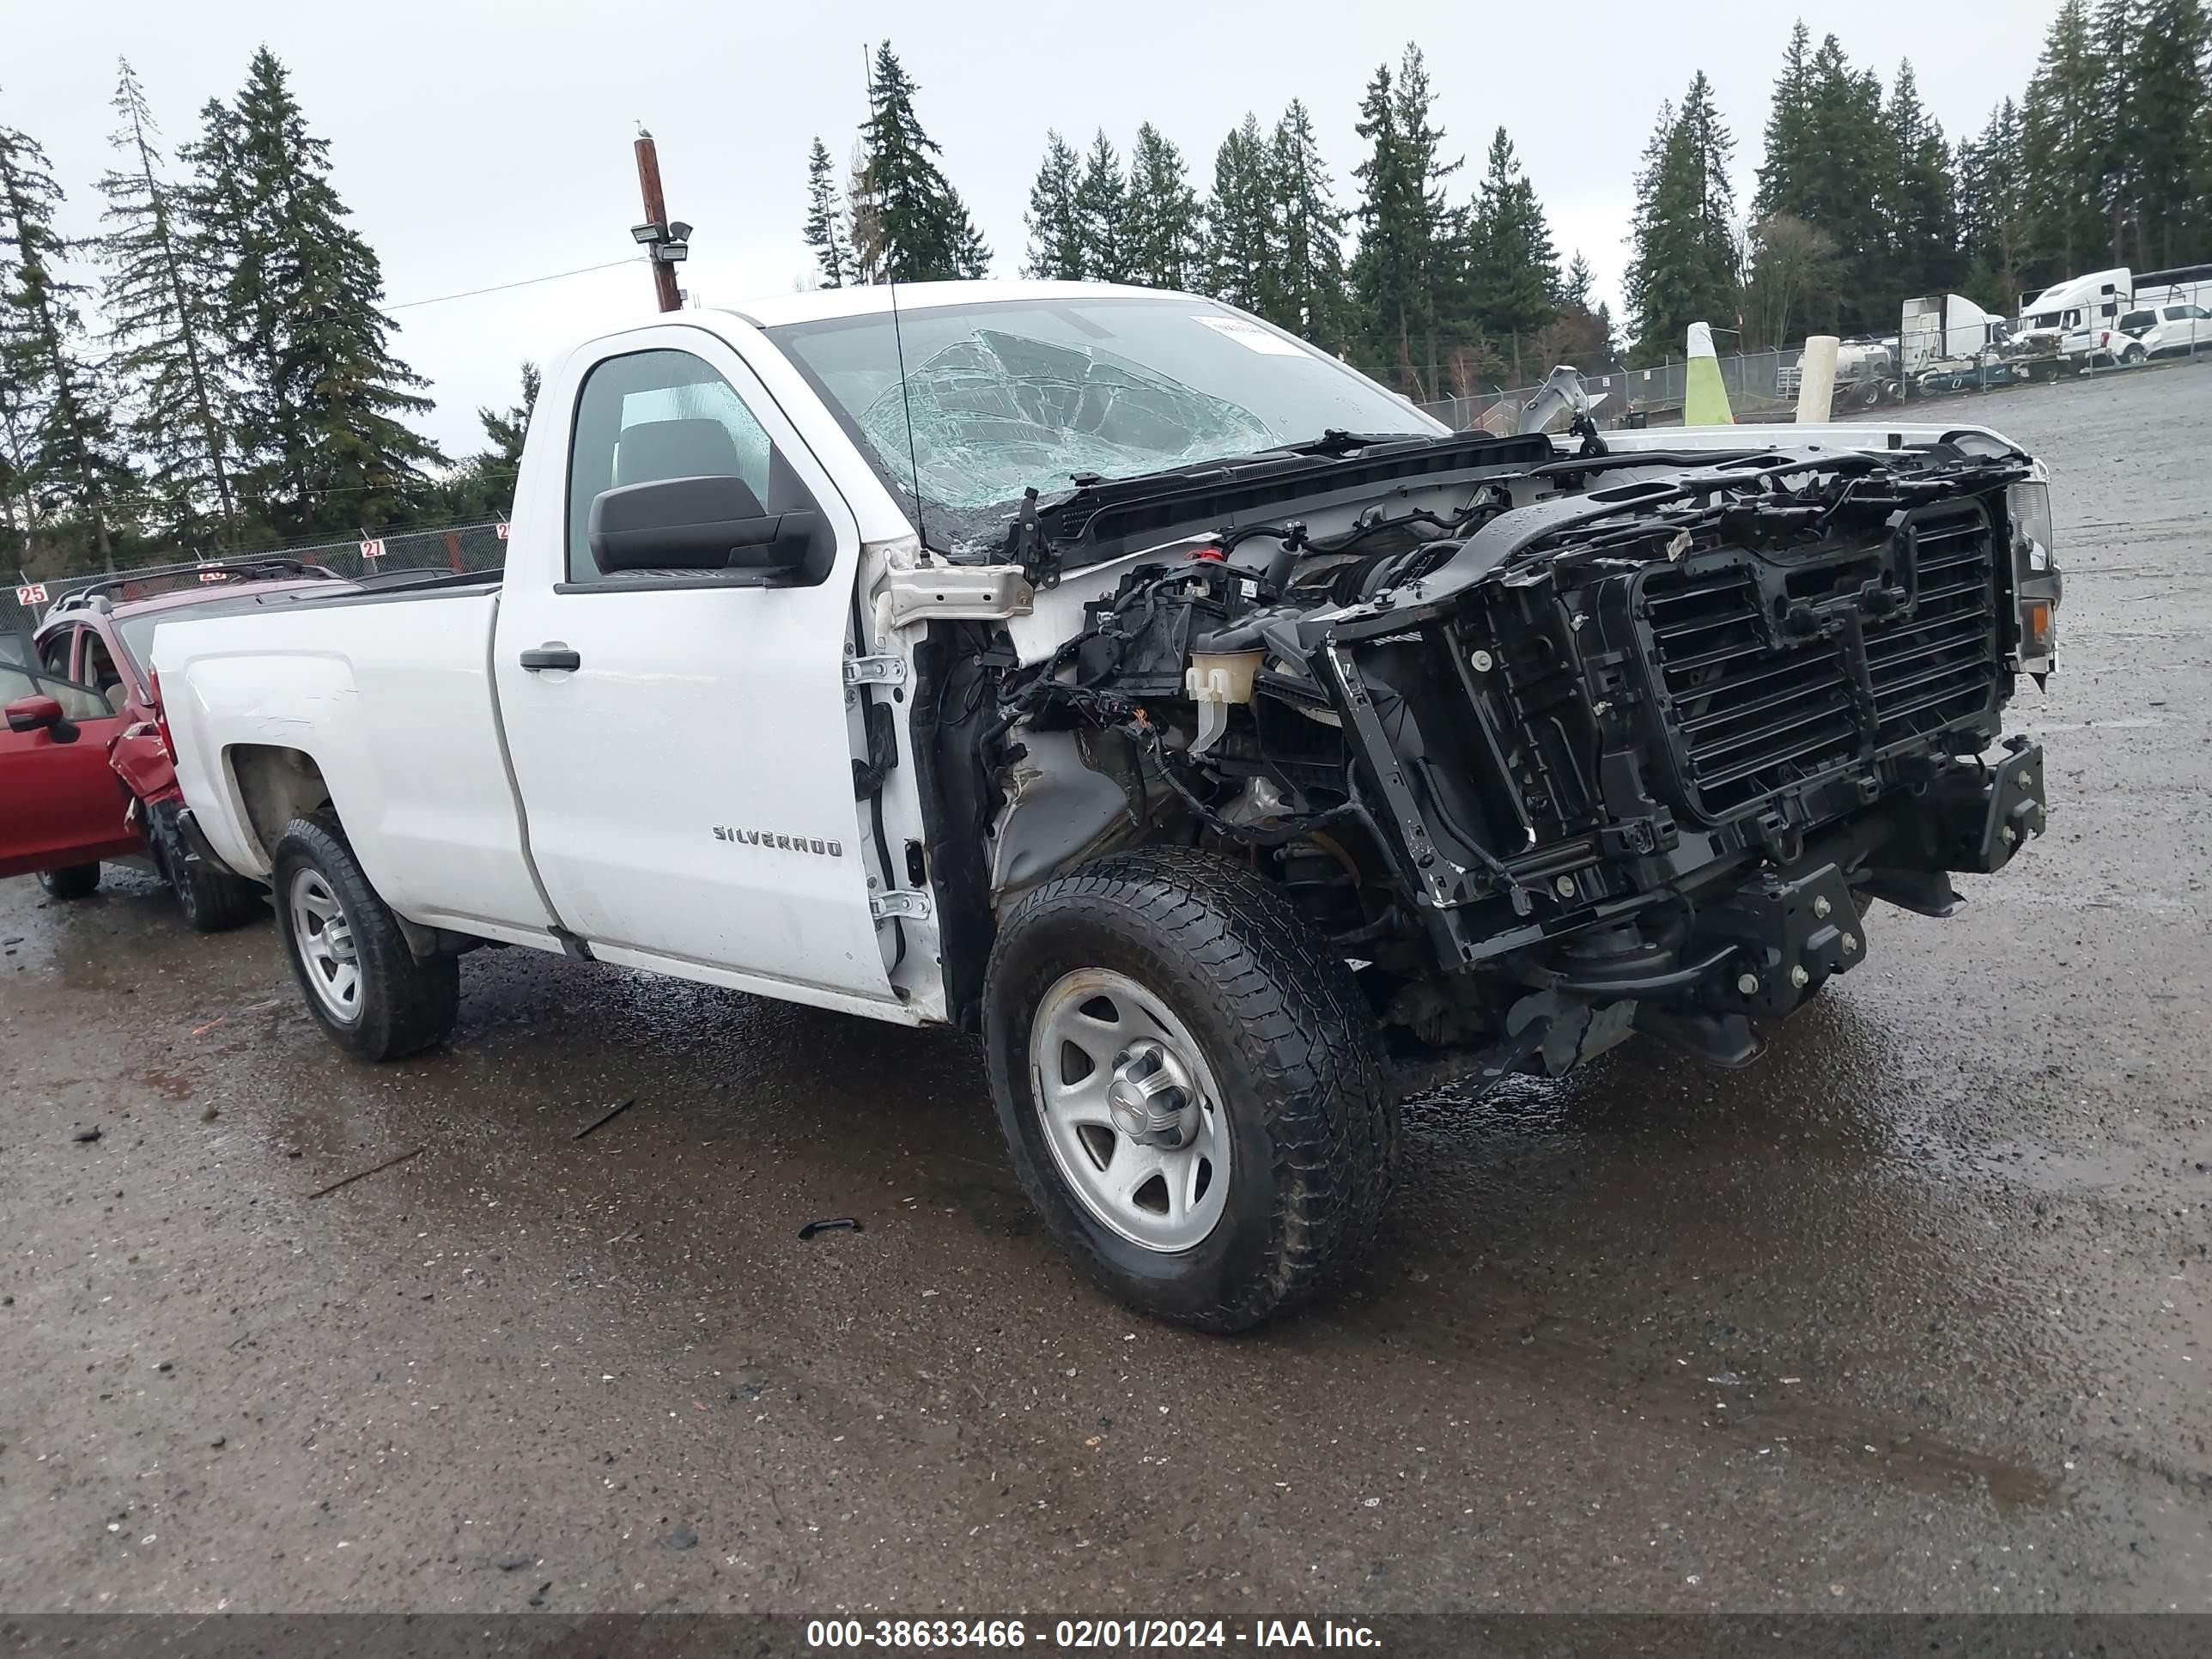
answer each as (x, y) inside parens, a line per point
(85, 769)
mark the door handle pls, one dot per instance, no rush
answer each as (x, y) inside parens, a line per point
(551, 654)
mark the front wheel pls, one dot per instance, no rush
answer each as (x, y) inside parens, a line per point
(78, 881)
(364, 987)
(1190, 1087)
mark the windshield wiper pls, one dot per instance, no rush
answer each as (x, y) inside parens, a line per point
(1336, 442)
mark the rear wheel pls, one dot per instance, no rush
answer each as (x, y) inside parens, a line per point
(2132, 355)
(211, 898)
(365, 987)
(1189, 1085)
(76, 882)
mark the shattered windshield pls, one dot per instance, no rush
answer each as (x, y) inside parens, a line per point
(997, 399)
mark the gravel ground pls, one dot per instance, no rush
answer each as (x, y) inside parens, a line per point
(1911, 1314)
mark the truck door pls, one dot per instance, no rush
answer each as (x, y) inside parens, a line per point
(60, 803)
(679, 739)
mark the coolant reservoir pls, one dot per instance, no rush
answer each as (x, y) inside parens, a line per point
(1222, 676)
(1215, 679)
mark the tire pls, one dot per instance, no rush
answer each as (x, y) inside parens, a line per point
(1273, 1033)
(2132, 356)
(76, 882)
(214, 900)
(331, 919)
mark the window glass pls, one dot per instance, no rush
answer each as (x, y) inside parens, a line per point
(656, 415)
(77, 703)
(54, 651)
(100, 673)
(984, 401)
(2136, 320)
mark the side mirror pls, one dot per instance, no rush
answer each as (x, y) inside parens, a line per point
(41, 715)
(695, 523)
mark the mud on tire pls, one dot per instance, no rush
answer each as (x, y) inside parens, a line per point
(1313, 1132)
(399, 1004)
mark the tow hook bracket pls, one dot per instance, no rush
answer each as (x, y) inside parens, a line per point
(1791, 931)
(2015, 805)
(915, 907)
(875, 671)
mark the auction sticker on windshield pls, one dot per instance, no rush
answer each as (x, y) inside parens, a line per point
(1252, 337)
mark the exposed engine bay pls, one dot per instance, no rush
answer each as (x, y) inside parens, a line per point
(1554, 746)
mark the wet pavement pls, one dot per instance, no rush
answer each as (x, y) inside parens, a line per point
(1912, 1313)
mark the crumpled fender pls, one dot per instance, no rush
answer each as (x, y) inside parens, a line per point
(141, 760)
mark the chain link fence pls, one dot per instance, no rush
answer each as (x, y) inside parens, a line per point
(446, 547)
(1763, 384)
(1758, 383)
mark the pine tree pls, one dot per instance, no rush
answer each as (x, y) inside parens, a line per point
(1578, 334)
(1993, 211)
(2170, 115)
(1309, 297)
(507, 428)
(825, 219)
(2113, 30)
(2062, 143)
(20, 518)
(971, 254)
(1784, 175)
(1580, 281)
(1240, 225)
(2199, 216)
(1514, 271)
(919, 222)
(160, 300)
(1162, 215)
(1102, 209)
(71, 461)
(1919, 209)
(1827, 162)
(483, 487)
(1055, 250)
(1407, 271)
(1683, 264)
(320, 429)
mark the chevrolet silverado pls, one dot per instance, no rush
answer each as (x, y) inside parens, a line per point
(1232, 746)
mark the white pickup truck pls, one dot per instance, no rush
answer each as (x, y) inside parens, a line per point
(1109, 672)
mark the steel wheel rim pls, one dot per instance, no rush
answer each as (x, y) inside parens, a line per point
(322, 938)
(1162, 1199)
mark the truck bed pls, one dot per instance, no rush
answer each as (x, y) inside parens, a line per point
(396, 685)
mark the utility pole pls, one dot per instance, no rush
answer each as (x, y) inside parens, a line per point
(666, 244)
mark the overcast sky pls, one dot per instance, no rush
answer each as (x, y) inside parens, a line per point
(480, 143)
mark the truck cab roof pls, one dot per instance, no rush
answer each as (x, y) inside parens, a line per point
(827, 304)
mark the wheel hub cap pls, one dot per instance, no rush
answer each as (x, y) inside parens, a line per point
(1151, 1098)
